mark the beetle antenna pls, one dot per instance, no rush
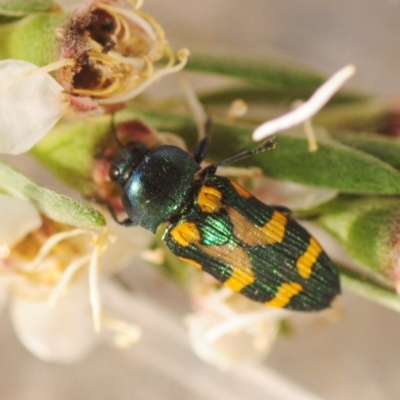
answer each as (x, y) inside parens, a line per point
(268, 144)
(114, 131)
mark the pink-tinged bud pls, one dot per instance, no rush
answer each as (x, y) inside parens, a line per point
(369, 228)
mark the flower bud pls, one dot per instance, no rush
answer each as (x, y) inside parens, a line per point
(369, 229)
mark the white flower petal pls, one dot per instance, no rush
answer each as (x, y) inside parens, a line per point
(129, 243)
(18, 218)
(62, 334)
(225, 342)
(295, 196)
(29, 105)
(4, 293)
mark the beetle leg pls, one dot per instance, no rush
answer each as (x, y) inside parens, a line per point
(124, 222)
(202, 146)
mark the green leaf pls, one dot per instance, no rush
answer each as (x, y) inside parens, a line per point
(56, 206)
(333, 166)
(68, 150)
(369, 288)
(364, 116)
(272, 96)
(366, 226)
(25, 7)
(267, 75)
(385, 148)
(5, 19)
(259, 95)
(33, 38)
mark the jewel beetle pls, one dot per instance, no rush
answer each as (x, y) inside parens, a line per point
(218, 226)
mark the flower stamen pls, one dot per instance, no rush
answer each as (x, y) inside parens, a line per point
(134, 17)
(66, 278)
(310, 135)
(309, 108)
(196, 108)
(50, 244)
(126, 333)
(100, 245)
(94, 290)
(36, 71)
(240, 322)
(136, 4)
(4, 250)
(182, 55)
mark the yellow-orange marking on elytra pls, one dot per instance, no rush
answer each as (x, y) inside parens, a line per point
(209, 199)
(240, 190)
(306, 262)
(191, 262)
(186, 233)
(242, 271)
(284, 294)
(272, 232)
(275, 227)
(244, 230)
(238, 259)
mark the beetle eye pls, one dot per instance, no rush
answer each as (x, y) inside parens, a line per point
(114, 173)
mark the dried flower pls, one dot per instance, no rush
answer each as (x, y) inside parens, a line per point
(114, 49)
(104, 55)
